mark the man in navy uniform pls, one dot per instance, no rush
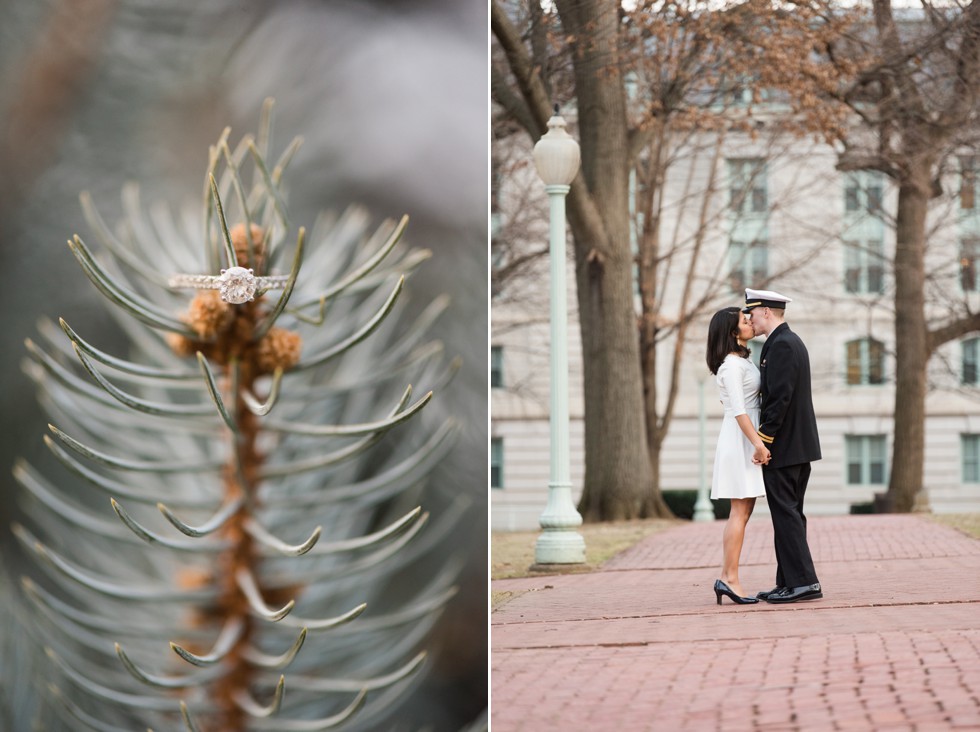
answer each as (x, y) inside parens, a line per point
(788, 427)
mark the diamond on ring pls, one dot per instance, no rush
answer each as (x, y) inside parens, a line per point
(236, 285)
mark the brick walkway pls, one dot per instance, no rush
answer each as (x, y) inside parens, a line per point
(641, 645)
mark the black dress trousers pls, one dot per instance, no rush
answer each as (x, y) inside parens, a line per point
(785, 488)
(788, 426)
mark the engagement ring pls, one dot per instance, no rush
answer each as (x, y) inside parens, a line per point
(235, 284)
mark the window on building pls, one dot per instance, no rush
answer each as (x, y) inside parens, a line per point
(865, 456)
(496, 224)
(740, 96)
(748, 263)
(864, 192)
(496, 367)
(874, 195)
(742, 90)
(496, 462)
(864, 270)
(969, 254)
(968, 371)
(968, 182)
(865, 361)
(970, 451)
(747, 186)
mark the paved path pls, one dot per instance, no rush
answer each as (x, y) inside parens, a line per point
(641, 645)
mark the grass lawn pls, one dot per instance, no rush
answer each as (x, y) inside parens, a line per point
(512, 552)
(968, 523)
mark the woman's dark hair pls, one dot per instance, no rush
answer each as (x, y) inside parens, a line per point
(723, 338)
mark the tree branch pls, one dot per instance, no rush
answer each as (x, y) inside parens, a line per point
(896, 58)
(505, 273)
(963, 99)
(527, 75)
(953, 330)
(850, 161)
(512, 104)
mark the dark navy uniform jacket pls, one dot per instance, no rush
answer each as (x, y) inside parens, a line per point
(787, 424)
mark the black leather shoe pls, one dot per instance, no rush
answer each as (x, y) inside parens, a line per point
(722, 589)
(796, 594)
(765, 595)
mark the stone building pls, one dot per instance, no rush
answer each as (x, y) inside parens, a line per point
(778, 216)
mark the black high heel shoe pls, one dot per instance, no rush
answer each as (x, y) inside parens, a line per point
(722, 589)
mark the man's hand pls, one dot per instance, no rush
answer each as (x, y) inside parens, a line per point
(761, 455)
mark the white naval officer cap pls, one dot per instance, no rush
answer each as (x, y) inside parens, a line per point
(764, 299)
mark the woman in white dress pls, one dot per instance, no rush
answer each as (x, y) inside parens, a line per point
(740, 453)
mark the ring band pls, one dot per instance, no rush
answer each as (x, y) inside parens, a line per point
(235, 284)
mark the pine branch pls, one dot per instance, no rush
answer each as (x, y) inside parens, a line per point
(200, 477)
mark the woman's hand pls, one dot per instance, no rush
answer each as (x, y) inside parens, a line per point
(761, 455)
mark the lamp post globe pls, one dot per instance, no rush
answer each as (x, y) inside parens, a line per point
(556, 154)
(557, 159)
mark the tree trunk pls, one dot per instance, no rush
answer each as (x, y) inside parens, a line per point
(654, 505)
(617, 471)
(649, 181)
(911, 343)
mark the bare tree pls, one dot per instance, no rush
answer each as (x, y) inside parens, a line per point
(686, 56)
(916, 89)
(518, 238)
(617, 469)
(682, 278)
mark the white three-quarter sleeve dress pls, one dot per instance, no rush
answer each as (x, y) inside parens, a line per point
(734, 475)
